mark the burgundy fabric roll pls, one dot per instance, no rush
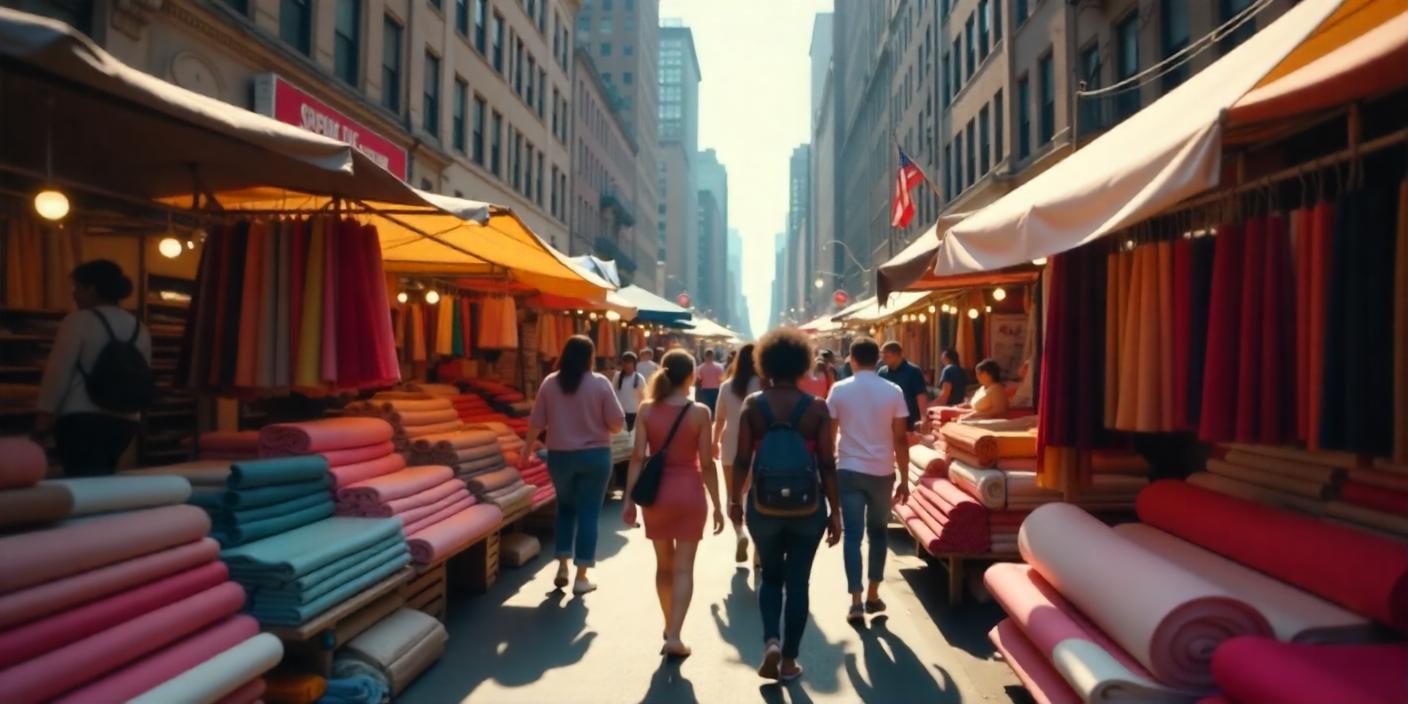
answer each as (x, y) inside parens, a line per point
(1251, 669)
(1218, 417)
(1182, 329)
(1300, 254)
(1276, 423)
(1375, 497)
(1321, 224)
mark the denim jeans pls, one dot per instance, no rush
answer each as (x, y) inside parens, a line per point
(708, 397)
(580, 478)
(786, 548)
(865, 511)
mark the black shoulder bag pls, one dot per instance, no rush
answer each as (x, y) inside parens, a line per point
(648, 483)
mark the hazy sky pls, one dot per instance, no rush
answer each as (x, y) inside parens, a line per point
(753, 104)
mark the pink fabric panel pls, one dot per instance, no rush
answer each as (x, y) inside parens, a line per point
(1264, 670)
(443, 514)
(355, 455)
(407, 482)
(162, 665)
(323, 435)
(30, 558)
(22, 463)
(346, 474)
(1042, 680)
(44, 599)
(78, 663)
(38, 637)
(453, 535)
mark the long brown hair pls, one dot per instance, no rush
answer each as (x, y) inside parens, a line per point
(742, 371)
(575, 362)
(675, 369)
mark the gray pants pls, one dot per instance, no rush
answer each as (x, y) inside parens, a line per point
(865, 511)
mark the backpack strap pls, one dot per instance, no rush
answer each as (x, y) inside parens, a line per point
(766, 409)
(112, 336)
(800, 410)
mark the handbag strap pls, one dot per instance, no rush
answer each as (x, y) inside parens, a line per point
(674, 429)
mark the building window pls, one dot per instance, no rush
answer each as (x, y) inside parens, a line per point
(628, 78)
(553, 199)
(958, 163)
(498, 46)
(984, 144)
(984, 30)
(554, 110)
(517, 154)
(605, 25)
(971, 55)
(566, 48)
(972, 175)
(1228, 10)
(539, 186)
(948, 87)
(518, 67)
(532, 70)
(481, 22)
(605, 49)
(431, 103)
(542, 91)
(462, 17)
(996, 21)
(495, 146)
(528, 171)
(478, 137)
(999, 145)
(346, 39)
(436, 4)
(1024, 118)
(948, 162)
(295, 24)
(1127, 64)
(1173, 35)
(1046, 75)
(391, 65)
(628, 50)
(1089, 108)
(1019, 12)
(457, 120)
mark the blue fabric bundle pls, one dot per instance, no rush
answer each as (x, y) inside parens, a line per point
(263, 498)
(357, 689)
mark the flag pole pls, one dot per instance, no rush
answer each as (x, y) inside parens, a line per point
(925, 176)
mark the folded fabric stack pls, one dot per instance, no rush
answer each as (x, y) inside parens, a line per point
(510, 441)
(1253, 670)
(354, 448)
(468, 452)
(395, 651)
(228, 445)
(945, 520)
(536, 474)
(1137, 611)
(261, 498)
(439, 516)
(22, 501)
(409, 418)
(941, 415)
(120, 606)
(983, 447)
(1374, 497)
(505, 399)
(293, 577)
(1311, 478)
(504, 488)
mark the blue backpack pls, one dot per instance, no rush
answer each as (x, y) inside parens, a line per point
(785, 480)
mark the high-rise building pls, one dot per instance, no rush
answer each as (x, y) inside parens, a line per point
(822, 213)
(622, 37)
(711, 260)
(738, 308)
(778, 308)
(799, 191)
(678, 212)
(602, 214)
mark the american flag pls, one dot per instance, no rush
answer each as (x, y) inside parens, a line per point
(909, 176)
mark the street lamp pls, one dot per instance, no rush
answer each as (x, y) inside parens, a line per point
(851, 255)
(820, 281)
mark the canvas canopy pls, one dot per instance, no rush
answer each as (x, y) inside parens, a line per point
(652, 308)
(870, 310)
(705, 328)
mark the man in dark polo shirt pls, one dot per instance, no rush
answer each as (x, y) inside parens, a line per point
(909, 378)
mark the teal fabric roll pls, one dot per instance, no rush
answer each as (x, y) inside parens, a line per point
(293, 615)
(277, 470)
(298, 597)
(278, 493)
(300, 551)
(237, 518)
(240, 534)
(210, 501)
(255, 580)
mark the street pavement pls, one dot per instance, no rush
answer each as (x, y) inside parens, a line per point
(523, 641)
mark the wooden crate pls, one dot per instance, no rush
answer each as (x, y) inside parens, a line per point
(428, 591)
(310, 646)
(477, 568)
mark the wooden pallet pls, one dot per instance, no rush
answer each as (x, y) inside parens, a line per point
(428, 591)
(310, 646)
(956, 563)
(477, 568)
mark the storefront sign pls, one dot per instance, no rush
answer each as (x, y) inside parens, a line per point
(276, 97)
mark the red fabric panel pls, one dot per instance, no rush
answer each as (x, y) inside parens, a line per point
(297, 275)
(1322, 225)
(1218, 419)
(1359, 571)
(1251, 669)
(1375, 497)
(1248, 383)
(1278, 350)
(1300, 228)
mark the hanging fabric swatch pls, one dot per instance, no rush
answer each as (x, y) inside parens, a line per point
(38, 260)
(1072, 376)
(1356, 414)
(1400, 331)
(1218, 417)
(1277, 417)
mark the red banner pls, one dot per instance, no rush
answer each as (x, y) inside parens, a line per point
(282, 101)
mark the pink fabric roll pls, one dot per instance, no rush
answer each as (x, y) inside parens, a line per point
(424, 498)
(357, 455)
(414, 515)
(348, 474)
(32, 558)
(409, 432)
(458, 440)
(1251, 670)
(22, 463)
(38, 637)
(450, 536)
(323, 435)
(1042, 681)
(44, 599)
(398, 485)
(409, 419)
(80, 662)
(166, 663)
(443, 514)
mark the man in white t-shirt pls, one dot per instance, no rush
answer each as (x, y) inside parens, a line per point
(647, 366)
(873, 419)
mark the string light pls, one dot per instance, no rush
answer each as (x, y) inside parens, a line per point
(988, 308)
(1039, 261)
(613, 316)
(923, 318)
(432, 297)
(402, 297)
(973, 313)
(592, 317)
(1129, 244)
(170, 247)
(932, 309)
(999, 294)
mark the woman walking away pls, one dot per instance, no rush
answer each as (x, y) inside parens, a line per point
(578, 409)
(98, 375)
(742, 382)
(674, 521)
(787, 443)
(630, 388)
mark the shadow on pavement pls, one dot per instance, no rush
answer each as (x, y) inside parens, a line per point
(789, 693)
(893, 673)
(965, 626)
(669, 685)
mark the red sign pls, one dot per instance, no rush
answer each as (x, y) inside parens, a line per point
(279, 99)
(841, 297)
(682, 300)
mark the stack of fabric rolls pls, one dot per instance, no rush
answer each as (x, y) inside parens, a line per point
(470, 452)
(505, 399)
(439, 516)
(1374, 497)
(944, 520)
(125, 600)
(536, 474)
(228, 445)
(509, 441)
(295, 576)
(409, 418)
(1250, 670)
(394, 651)
(983, 445)
(1303, 479)
(1146, 610)
(354, 448)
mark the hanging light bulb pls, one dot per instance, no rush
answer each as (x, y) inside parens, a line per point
(932, 310)
(923, 318)
(432, 296)
(190, 244)
(402, 297)
(988, 308)
(613, 316)
(999, 294)
(592, 317)
(973, 313)
(1039, 261)
(1129, 244)
(170, 247)
(51, 204)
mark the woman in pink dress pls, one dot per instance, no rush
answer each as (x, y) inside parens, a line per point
(675, 521)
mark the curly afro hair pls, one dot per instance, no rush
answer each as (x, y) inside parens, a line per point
(784, 355)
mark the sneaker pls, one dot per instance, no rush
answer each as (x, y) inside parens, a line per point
(583, 586)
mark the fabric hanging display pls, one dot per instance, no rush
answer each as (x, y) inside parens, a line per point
(498, 323)
(1218, 419)
(1070, 406)
(37, 261)
(606, 339)
(1400, 331)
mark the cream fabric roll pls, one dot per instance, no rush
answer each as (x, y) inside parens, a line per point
(207, 682)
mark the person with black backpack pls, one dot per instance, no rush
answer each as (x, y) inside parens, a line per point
(99, 377)
(786, 444)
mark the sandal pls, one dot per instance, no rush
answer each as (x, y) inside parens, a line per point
(561, 580)
(772, 659)
(875, 607)
(856, 615)
(679, 651)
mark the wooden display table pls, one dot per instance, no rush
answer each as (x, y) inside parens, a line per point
(310, 646)
(428, 590)
(477, 568)
(956, 563)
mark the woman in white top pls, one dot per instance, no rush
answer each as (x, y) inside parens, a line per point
(630, 388)
(742, 381)
(89, 438)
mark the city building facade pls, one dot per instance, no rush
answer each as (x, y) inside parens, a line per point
(822, 178)
(711, 261)
(678, 143)
(602, 215)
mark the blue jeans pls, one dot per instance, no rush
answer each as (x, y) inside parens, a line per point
(865, 511)
(786, 548)
(708, 397)
(580, 478)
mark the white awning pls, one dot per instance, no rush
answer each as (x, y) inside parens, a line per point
(1160, 156)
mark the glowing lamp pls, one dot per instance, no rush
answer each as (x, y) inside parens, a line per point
(973, 313)
(432, 297)
(51, 204)
(170, 247)
(402, 297)
(999, 294)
